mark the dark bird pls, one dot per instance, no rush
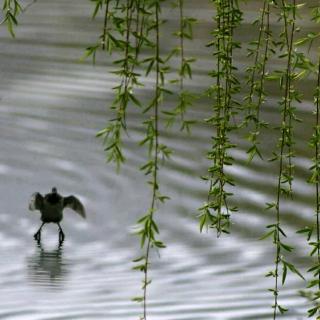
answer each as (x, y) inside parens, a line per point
(51, 207)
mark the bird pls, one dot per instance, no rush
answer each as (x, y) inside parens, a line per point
(51, 207)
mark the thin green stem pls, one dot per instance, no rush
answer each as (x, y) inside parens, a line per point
(128, 73)
(285, 142)
(256, 59)
(288, 83)
(140, 26)
(181, 17)
(105, 24)
(264, 64)
(317, 160)
(155, 157)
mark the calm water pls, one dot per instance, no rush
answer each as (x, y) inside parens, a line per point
(51, 107)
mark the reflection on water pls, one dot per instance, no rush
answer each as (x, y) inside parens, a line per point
(47, 267)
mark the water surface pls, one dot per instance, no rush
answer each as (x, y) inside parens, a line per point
(51, 107)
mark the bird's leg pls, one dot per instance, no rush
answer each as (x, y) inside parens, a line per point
(61, 234)
(37, 235)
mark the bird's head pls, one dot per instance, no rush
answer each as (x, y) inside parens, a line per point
(54, 190)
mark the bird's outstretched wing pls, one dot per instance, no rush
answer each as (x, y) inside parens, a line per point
(75, 204)
(36, 201)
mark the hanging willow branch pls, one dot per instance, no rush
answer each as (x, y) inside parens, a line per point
(105, 25)
(105, 41)
(147, 228)
(216, 211)
(285, 153)
(185, 97)
(315, 169)
(261, 50)
(123, 22)
(112, 133)
(141, 31)
(315, 180)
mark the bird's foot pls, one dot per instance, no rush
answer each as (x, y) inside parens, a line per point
(37, 236)
(61, 236)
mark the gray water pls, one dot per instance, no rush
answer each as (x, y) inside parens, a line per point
(51, 107)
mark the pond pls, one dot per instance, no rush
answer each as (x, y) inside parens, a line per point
(51, 107)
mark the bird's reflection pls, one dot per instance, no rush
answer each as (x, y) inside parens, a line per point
(47, 267)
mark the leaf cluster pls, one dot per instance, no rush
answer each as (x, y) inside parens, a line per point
(216, 211)
(11, 9)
